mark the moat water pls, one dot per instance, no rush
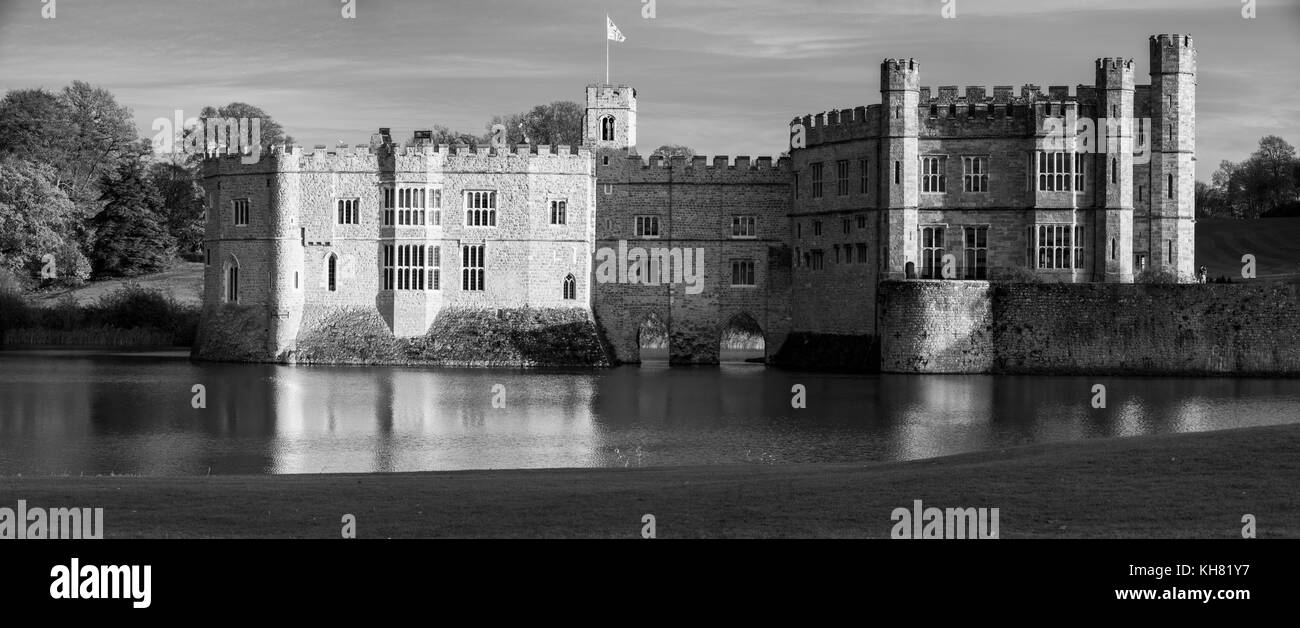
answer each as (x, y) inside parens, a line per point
(72, 413)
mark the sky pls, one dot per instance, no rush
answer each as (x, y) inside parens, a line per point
(721, 76)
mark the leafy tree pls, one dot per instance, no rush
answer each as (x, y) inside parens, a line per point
(444, 135)
(131, 233)
(182, 205)
(272, 134)
(560, 122)
(1267, 183)
(35, 125)
(674, 150)
(105, 134)
(37, 219)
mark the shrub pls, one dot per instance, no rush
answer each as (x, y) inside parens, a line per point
(1157, 275)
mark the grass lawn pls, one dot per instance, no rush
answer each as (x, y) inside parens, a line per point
(1275, 243)
(1169, 486)
(184, 280)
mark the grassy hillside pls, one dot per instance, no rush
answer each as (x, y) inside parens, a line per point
(184, 281)
(1275, 243)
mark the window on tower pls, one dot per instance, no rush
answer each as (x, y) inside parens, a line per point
(607, 128)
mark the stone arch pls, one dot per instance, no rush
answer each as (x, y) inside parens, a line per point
(652, 332)
(741, 337)
(607, 128)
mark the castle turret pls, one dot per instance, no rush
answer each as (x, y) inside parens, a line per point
(286, 254)
(1113, 166)
(900, 97)
(1171, 240)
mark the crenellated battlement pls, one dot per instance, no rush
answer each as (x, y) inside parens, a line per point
(1171, 41)
(320, 157)
(899, 74)
(703, 162)
(1172, 54)
(1000, 95)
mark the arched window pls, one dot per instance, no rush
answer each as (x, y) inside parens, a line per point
(607, 128)
(332, 273)
(232, 280)
(570, 288)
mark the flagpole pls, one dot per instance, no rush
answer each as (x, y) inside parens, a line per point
(607, 49)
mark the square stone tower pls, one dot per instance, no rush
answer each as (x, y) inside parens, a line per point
(611, 117)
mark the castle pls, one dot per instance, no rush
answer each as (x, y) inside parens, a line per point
(923, 186)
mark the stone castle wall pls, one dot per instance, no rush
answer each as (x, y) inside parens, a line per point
(694, 201)
(965, 327)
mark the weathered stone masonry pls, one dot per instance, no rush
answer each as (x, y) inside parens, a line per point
(1099, 328)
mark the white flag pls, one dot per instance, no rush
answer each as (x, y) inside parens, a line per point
(614, 33)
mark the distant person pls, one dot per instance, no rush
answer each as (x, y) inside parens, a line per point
(1202, 275)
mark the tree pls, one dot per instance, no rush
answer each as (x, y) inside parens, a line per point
(35, 125)
(1205, 202)
(272, 133)
(131, 235)
(1276, 164)
(444, 135)
(560, 122)
(104, 135)
(182, 205)
(38, 219)
(674, 150)
(1264, 184)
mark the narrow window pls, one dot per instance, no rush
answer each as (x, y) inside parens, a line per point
(240, 212)
(331, 272)
(898, 172)
(933, 177)
(434, 269)
(232, 281)
(472, 267)
(388, 267)
(976, 240)
(570, 288)
(932, 239)
(607, 128)
(1169, 188)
